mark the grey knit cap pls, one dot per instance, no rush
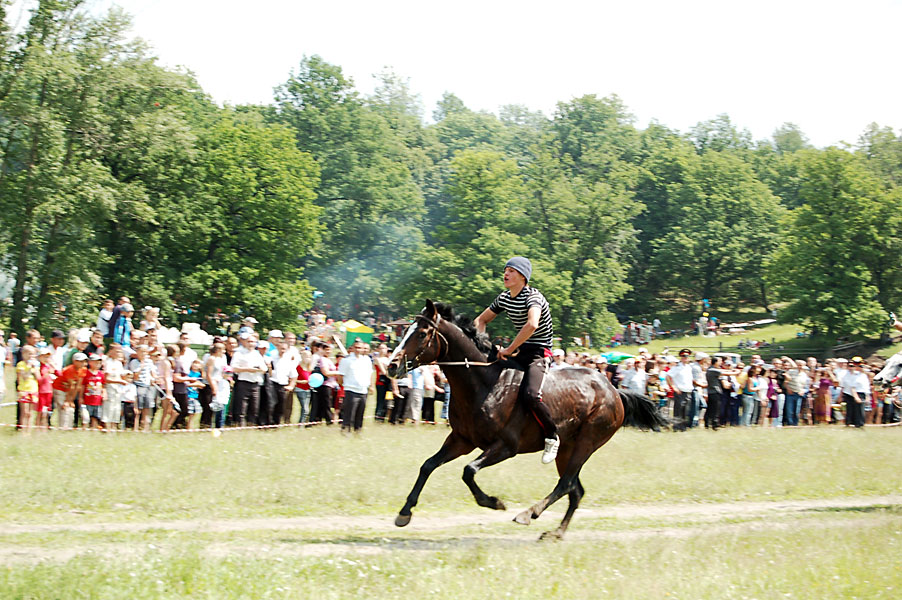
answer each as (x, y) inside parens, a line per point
(521, 265)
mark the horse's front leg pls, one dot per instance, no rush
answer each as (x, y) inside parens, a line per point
(453, 447)
(495, 453)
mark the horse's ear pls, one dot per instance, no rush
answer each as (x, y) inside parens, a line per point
(431, 311)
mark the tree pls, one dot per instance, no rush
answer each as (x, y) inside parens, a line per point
(822, 268)
(724, 226)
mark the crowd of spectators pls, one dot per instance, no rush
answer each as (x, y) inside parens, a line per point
(116, 376)
(697, 389)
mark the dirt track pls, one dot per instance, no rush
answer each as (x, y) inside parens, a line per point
(671, 520)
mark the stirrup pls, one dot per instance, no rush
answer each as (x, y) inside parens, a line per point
(551, 448)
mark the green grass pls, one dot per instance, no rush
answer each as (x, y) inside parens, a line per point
(61, 476)
(849, 556)
(63, 479)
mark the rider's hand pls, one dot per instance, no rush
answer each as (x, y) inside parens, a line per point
(504, 353)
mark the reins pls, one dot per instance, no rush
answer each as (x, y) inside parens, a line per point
(435, 332)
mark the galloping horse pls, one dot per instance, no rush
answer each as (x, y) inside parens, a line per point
(485, 413)
(890, 373)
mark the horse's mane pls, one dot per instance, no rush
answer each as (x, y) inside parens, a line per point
(482, 340)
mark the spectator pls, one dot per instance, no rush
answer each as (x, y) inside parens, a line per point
(92, 394)
(383, 382)
(415, 395)
(797, 384)
(856, 391)
(193, 384)
(187, 355)
(116, 314)
(355, 373)
(145, 377)
(321, 405)
(95, 344)
(122, 329)
(82, 339)
(65, 390)
(58, 349)
(47, 373)
(284, 379)
(118, 379)
(180, 381)
(13, 343)
(249, 367)
(680, 380)
(557, 359)
(104, 317)
(151, 319)
(302, 390)
(247, 326)
(220, 388)
(27, 373)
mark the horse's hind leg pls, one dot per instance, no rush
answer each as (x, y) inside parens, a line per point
(496, 453)
(576, 494)
(453, 447)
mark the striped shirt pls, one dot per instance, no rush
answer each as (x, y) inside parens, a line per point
(517, 309)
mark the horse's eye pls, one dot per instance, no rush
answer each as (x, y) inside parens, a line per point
(421, 334)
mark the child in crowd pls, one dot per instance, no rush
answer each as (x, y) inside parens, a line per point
(45, 387)
(194, 386)
(117, 380)
(92, 393)
(27, 373)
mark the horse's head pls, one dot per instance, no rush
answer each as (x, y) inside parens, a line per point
(890, 373)
(422, 343)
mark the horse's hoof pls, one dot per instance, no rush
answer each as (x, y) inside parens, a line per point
(498, 504)
(554, 535)
(402, 520)
(523, 518)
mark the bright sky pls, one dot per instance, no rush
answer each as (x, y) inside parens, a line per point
(829, 66)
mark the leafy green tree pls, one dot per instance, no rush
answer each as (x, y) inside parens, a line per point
(724, 228)
(821, 269)
(371, 203)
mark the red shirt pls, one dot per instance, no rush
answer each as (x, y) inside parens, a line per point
(303, 376)
(93, 382)
(69, 378)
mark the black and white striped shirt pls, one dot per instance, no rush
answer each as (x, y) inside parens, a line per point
(517, 309)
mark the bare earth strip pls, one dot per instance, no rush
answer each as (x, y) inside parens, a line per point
(376, 524)
(695, 515)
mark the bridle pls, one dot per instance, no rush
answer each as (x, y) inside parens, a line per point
(436, 334)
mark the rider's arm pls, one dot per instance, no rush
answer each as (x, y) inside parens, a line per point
(532, 323)
(487, 316)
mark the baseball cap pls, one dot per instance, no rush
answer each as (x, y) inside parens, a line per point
(83, 336)
(856, 361)
(700, 355)
(79, 356)
(126, 308)
(685, 352)
(244, 336)
(262, 344)
(558, 352)
(276, 333)
(251, 320)
(137, 333)
(45, 350)
(57, 334)
(94, 356)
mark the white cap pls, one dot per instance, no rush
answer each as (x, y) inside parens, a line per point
(558, 352)
(83, 336)
(137, 333)
(701, 355)
(45, 350)
(251, 320)
(262, 344)
(79, 356)
(245, 336)
(276, 333)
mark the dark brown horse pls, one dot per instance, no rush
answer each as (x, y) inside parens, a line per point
(484, 412)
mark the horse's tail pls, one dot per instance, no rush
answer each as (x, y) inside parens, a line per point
(642, 412)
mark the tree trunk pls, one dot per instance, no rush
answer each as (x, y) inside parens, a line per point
(762, 289)
(42, 301)
(16, 319)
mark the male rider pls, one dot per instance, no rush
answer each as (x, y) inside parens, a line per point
(529, 312)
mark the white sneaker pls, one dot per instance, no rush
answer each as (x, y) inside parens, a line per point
(551, 447)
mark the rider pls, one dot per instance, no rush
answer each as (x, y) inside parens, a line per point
(529, 312)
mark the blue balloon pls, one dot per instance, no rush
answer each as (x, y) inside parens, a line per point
(316, 380)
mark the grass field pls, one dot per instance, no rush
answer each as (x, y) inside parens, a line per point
(740, 513)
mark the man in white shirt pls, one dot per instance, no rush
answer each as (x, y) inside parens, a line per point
(284, 377)
(856, 390)
(355, 373)
(680, 380)
(59, 349)
(188, 355)
(558, 359)
(249, 367)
